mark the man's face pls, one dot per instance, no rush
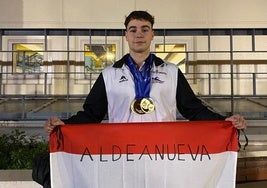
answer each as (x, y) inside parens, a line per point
(139, 34)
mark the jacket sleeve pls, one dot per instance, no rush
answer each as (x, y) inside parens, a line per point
(94, 107)
(189, 105)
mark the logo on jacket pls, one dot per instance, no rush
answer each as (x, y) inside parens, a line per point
(123, 79)
(157, 80)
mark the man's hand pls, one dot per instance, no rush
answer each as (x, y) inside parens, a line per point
(51, 123)
(238, 121)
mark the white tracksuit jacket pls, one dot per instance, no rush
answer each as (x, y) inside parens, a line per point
(114, 91)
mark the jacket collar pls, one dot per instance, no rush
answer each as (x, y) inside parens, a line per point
(123, 60)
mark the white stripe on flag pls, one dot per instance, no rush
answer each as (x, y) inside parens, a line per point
(70, 172)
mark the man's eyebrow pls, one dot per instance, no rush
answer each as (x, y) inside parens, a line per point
(132, 27)
(146, 26)
(143, 26)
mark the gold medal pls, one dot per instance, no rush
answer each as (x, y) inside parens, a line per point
(136, 108)
(147, 105)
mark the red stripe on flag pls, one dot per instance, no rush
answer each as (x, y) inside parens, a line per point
(192, 137)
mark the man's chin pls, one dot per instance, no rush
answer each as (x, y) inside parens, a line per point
(140, 50)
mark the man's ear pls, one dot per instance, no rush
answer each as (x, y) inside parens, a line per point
(125, 35)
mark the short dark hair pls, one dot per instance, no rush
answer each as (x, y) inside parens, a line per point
(139, 15)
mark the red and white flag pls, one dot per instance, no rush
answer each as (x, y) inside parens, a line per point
(198, 154)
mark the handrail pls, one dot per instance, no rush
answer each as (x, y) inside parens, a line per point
(45, 79)
(206, 82)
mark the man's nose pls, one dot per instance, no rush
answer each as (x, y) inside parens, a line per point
(139, 33)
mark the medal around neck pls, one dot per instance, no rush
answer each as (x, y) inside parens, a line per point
(136, 108)
(147, 105)
(142, 106)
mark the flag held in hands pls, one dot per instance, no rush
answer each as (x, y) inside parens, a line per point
(200, 154)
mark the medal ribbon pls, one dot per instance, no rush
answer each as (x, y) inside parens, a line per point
(142, 78)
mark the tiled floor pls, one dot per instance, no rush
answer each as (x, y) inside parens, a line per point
(258, 184)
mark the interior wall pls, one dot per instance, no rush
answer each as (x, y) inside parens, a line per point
(111, 13)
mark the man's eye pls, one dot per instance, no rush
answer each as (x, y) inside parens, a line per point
(132, 30)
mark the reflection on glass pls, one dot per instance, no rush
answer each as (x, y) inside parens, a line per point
(27, 57)
(173, 53)
(98, 56)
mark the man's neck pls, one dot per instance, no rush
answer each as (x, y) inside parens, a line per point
(139, 58)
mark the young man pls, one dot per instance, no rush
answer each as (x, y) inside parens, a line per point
(141, 87)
